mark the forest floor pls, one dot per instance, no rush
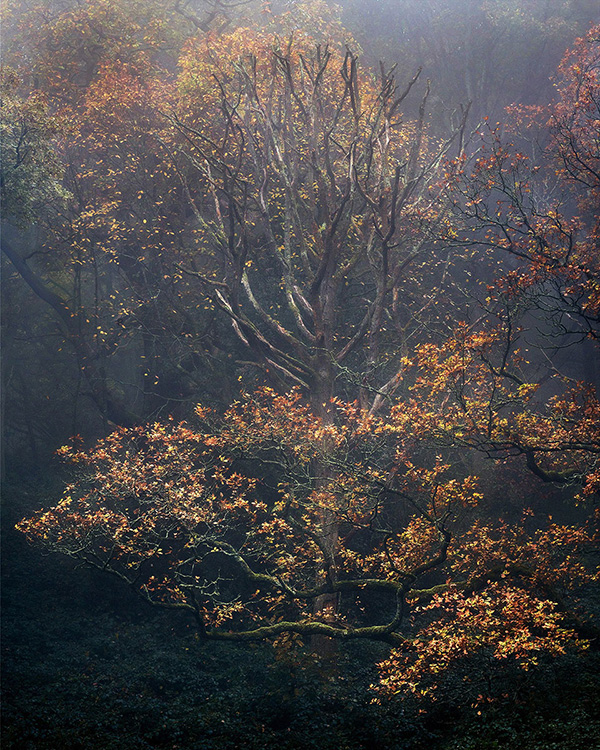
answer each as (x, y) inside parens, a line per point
(86, 667)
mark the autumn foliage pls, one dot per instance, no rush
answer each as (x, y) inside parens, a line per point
(382, 320)
(226, 519)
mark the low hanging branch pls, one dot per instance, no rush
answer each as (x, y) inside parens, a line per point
(224, 520)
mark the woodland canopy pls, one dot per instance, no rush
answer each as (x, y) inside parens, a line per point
(326, 340)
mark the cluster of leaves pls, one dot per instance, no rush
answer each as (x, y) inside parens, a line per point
(479, 398)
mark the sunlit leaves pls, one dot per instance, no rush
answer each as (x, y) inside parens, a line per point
(230, 519)
(501, 623)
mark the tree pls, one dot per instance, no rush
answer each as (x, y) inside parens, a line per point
(542, 212)
(32, 183)
(310, 191)
(323, 225)
(225, 520)
(306, 179)
(96, 186)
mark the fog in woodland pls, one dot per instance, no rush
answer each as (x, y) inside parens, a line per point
(300, 307)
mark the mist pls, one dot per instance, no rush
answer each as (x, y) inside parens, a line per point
(300, 414)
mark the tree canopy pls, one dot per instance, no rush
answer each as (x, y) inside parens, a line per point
(389, 322)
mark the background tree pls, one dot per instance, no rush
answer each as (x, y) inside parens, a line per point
(491, 54)
(536, 217)
(318, 208)
(97, 256)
